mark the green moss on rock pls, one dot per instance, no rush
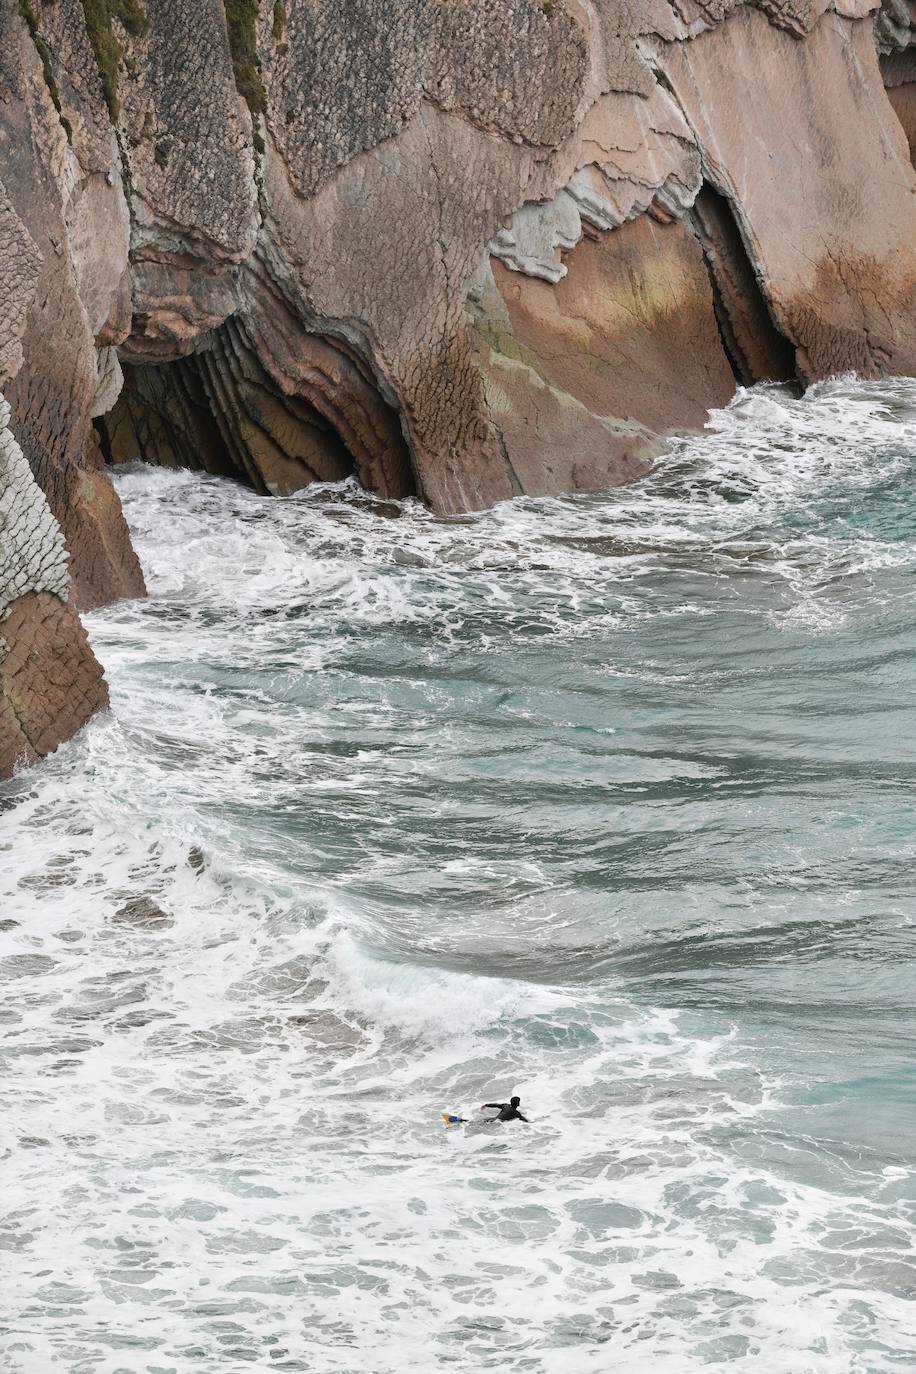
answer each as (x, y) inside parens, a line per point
(502, 341)
(132, 15)
(241, 22)
(27, 10)
(100, 15)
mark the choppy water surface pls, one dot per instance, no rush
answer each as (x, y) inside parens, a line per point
(608, 800)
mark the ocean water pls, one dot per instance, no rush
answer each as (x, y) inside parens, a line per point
(606, 800)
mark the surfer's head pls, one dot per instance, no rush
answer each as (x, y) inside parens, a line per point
(514, 1101)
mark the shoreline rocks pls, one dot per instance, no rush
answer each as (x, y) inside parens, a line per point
(461, 251)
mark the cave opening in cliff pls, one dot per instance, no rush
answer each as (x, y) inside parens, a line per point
(756, 349)
(898, 71)
(219, 411)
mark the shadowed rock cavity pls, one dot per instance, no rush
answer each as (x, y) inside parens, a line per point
(219, 410)
(754, 346)
(898, 69)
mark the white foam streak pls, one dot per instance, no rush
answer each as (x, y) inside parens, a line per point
(405, 857)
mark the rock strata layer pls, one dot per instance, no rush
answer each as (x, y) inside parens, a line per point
(50, 681)
(460, 251)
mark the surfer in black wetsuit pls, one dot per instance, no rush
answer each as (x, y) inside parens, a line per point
(508, 1111)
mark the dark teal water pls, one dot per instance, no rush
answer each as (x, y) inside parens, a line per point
(606, 800)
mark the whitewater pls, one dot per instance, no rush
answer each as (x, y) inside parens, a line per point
(605, 800)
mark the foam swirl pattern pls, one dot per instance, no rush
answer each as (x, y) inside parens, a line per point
(608, 800)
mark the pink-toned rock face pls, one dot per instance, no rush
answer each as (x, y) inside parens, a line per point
(630, 331)
(801, 139)
(50, 680)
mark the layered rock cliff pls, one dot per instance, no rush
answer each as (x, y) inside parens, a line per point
(50, 681)
(463, 249)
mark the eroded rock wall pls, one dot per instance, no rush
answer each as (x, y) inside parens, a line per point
(305, 198)
(462, 250)
(835, 252)
(62, 184)
(50, 681)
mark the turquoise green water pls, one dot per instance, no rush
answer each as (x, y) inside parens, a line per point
(607, 801)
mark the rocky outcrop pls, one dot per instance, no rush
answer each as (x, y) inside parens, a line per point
(70, 280)
(402, 241)
(50, 682)
(896, 34)
(834, 252)
(461, 250)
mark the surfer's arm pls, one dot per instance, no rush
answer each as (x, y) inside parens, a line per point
(498, 1105)
(519, 1117)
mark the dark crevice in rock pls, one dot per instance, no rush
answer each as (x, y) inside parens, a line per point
(163, 417)
(219, 411)
(755, 348)
(33, 24)
(101, 433)
(241, 26)
(100, 16)
(898, 70)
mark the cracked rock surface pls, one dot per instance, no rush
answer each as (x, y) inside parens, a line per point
(50, 681)
(461, 250)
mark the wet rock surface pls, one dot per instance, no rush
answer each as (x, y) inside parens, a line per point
(144, 914)
(457, 251)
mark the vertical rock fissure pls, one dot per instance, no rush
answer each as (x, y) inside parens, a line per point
(27, 11)
(755, 348)
(723, 324)
(737, 295)
(242, 29)
(100, 16)
(440, 211)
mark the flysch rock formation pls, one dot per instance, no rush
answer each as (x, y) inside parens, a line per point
(50, 682)
(461, 249)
